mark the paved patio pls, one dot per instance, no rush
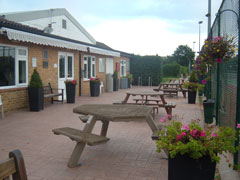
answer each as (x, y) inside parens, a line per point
(130, 153)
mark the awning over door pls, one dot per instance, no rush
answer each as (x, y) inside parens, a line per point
(43, 40)
(48, 41)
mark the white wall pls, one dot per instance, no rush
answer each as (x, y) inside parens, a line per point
(72, 32)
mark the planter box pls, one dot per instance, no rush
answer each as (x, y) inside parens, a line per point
(94, 88)
(192, 97)
(123, 83)
(35, 98)
(115, 84)
(184, 167)
(70, 92)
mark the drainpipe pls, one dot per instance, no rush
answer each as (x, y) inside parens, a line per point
(80, 74)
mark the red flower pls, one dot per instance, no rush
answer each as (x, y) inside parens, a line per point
(219, 60)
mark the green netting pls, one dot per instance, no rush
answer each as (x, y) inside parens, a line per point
(226, 25)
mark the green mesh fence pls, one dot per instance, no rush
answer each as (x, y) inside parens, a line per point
(225, 24)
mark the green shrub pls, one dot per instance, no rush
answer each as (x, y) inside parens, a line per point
(171, 70)
(193, 76)
(115, 75)
(184, 71)
(145, 67)
(35, 81)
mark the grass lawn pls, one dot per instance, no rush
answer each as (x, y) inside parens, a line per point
(165, 79)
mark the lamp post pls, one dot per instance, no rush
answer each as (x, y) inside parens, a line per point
(200, 22)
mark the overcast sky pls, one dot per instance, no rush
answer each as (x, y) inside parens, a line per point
(145, 27)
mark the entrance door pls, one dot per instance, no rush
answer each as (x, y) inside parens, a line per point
(65, 69)
(109, 66)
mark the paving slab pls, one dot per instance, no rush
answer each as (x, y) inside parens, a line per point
(130, 153)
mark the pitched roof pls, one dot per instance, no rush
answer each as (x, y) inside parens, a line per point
(18, 26)
(31, 15)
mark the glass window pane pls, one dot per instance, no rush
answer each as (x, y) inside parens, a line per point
(45, 54)
(85, 71)
(101, 65)
(89, 67)
(7, 66)
(93, 70)
(22, 52)
(62, 67)
(22, 71)
(70, 70)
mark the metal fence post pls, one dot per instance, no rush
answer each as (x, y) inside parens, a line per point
(218, 74)
(238, 90)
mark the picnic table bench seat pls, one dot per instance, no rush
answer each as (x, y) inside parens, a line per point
(80, 136)
(49, 92)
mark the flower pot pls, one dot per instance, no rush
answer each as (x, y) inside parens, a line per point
(183, 167)
(192, 97)
(123, 83)
(35, 98)
(115, 84)
(94, 88)
(208, 106)
(70, 92)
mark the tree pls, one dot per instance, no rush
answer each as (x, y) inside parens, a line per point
(184, 55)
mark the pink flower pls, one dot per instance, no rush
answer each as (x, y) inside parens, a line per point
(214, 135)
(238, 126)
(169, 116)
(216, 39)
(219, 60)
(204, 81)
(73, 82)
(185, 127)
(183, 134)
(195, 133)
(163, 119)
(179, 137)
(202, 134)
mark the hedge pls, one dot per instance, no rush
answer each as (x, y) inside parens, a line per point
(145, 67)
(171, 70)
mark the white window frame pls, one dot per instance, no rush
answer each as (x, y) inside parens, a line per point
(93, 62)
(17, 59)
(101, 65)
(123, 64)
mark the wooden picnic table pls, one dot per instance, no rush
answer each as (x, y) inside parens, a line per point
(150, 98)
(105, 113)
(171, 88)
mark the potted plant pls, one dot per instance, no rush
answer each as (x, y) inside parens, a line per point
(94, 86)
(214, 51)
(35, 92)
(115, 80)
(192, 85)
(130, 79)
(193, 152)
(70, 90)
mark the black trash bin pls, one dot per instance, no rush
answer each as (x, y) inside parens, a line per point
(208, 106)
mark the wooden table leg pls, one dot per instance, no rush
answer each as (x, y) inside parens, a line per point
(104, 128)
(76, 154)
(126, 99)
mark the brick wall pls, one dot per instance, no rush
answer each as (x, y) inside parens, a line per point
(15, 98)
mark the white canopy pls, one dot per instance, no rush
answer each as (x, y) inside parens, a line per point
(48, 41)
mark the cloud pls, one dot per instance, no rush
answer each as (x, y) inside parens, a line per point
(141, 36)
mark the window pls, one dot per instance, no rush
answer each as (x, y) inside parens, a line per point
(45, 54)
(13, 66)
(123, 68)
(101, 65)
(45, 58)
(89, 67)
(64, 24)
(128, 66)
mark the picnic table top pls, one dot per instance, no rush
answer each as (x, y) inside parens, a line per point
(115, 113)
(145, 93)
